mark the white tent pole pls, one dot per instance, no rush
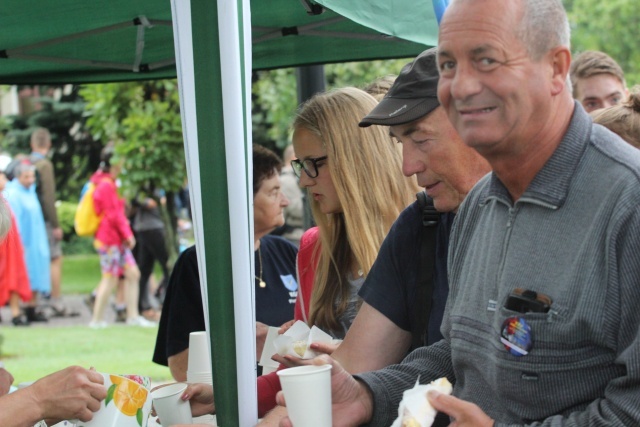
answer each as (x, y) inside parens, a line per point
(213, 79)
(235, 73)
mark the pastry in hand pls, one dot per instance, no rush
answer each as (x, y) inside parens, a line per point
(415, 409)
(300, 347)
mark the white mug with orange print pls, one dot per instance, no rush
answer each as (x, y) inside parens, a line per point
(128, 403)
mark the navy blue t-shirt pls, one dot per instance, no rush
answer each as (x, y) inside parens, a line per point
(182, 312)
(390, 286)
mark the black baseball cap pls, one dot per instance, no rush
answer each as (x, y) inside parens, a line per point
(414, 94)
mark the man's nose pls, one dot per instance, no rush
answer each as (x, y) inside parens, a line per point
(464, 83)
(411, 163)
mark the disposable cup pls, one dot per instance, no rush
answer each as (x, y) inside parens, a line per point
(171, 409)
(199, 353)
(203, 378)
(307, 392)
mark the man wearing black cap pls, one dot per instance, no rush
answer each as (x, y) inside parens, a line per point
(391, 320)
(393, 292)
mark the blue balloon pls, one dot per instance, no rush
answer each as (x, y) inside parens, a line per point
(439, 6)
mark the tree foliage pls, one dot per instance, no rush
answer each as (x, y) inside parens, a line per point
(275, 95)
(611, 26)
(144, 122)
(74, 153)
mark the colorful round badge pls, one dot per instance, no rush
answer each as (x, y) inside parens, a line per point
(516, 336)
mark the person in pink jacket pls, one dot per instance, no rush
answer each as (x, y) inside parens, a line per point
(113, 242)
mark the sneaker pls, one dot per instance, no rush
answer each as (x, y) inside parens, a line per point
(151, 315)
(90, 300)
(34, 315)
(121, 315)
(63, 311)
(20, 320)
(141, 321)
(98, 325)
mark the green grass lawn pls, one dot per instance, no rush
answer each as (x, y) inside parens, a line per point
(80, 273)
(31, 353)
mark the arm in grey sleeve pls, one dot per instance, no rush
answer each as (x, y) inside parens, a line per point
(388, 384)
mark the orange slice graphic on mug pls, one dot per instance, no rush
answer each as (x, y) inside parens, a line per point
(128, 396)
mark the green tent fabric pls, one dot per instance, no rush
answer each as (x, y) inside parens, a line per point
(70, 41)
(405, 19)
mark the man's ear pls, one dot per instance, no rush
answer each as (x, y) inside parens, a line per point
(560, 58)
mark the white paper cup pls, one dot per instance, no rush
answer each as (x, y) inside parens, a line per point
(202, 378)
(199, 354)
(307, 392)
(171, 409)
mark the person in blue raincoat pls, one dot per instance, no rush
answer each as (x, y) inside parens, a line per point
(21, 195)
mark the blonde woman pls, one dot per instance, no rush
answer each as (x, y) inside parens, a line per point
(356, 190)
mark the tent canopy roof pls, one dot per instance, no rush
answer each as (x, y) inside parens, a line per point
(71, 41)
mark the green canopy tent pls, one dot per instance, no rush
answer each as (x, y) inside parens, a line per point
(69, 41)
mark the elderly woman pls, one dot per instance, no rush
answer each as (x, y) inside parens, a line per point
(21, 195)
(275, 284)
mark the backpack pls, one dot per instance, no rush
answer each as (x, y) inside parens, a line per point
(86, 220)
(424, 290)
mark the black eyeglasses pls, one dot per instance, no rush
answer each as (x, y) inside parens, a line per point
(310, 166)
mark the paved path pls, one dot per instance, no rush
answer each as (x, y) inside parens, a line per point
(76, 303)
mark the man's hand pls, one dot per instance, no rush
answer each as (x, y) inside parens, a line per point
(73, 393)
(57, 233)
(6, 379)
(351, 401)
(462, 413)
(130, 242)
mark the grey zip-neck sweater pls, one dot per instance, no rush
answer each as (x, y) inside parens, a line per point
(574, 235)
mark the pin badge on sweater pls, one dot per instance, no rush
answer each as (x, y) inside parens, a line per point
(516, 336)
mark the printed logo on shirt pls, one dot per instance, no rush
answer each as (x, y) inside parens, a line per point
(289, 282)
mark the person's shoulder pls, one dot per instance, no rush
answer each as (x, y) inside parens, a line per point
(477, 195)
(276, 243)
(614, 147)
(309, 237)
(188, 256)
(408, 222)
(410, 214)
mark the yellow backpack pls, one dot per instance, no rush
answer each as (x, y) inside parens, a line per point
(86, 220)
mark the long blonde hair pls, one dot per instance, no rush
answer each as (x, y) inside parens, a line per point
(366, 170)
